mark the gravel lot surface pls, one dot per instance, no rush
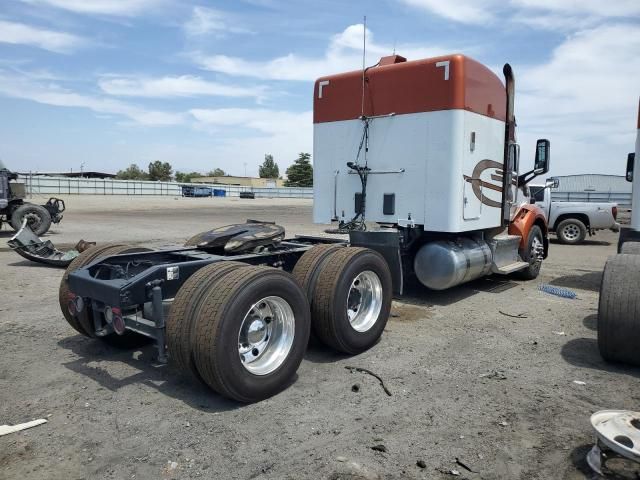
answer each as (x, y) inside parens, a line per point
(468, 382)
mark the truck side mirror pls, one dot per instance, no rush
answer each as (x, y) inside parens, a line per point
(541, 164)
(631, 158)
(552, 183)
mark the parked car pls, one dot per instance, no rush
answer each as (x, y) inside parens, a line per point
(572, 221)
(190, 191)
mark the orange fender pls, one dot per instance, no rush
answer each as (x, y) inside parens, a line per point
(527, 216)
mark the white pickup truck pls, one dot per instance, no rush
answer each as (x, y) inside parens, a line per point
(571, 221)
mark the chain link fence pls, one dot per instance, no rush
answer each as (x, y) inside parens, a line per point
(44, 185)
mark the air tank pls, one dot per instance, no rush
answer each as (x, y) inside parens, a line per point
(446, 263)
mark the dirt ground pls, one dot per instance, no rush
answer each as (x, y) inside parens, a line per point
(469, 380)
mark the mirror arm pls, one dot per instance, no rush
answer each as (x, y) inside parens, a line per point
(526, 177)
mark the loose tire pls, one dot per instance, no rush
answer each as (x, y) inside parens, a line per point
(351, 300)
(571, 231)
(631, 248)
(619, 310)
(533, 254)
(308, 266)
(38, 218)
(180, 324)
(261, 314)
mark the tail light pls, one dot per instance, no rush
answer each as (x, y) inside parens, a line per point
(75, 304)
(117, 322)
(614, 212)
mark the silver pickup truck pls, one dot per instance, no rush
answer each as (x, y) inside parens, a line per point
(571, 221)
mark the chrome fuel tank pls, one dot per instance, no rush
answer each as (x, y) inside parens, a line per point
(446, 263)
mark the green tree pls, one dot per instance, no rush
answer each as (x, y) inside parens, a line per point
(187, 177)
(160, 171)
(269, 168)
(132, 172)
(216, 172)
(300, 174)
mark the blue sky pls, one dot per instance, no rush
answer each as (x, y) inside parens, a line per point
(107, 83)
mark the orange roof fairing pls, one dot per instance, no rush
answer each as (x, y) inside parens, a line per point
(441, 83)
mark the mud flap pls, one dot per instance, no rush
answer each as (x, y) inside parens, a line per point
(386, 244)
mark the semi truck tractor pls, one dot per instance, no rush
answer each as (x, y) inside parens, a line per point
(417, 160)
(619, 302)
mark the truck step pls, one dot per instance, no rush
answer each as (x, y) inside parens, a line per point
(512, 267)
(504, 249)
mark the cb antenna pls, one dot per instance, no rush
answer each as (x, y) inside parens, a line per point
(364, 52)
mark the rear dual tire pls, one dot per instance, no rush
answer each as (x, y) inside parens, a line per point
(242, 330)
(350, 293)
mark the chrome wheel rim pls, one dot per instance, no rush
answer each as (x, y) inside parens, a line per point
(266, 335)
(571, 231)
(537, 250)
(364, 301)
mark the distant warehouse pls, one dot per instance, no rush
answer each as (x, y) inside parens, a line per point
(241, 181)
(593, 188)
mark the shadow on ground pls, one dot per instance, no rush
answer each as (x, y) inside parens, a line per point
(591, 321)
(555, 241)
(417, 294)
(589, 280)
(165, 378)
(583, 353)
(614, 468)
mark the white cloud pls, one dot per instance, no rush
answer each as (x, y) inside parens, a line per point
(123, 8)
(600, 8)
(344, 53)
(584, 98)
(281, 133)
(205, 21)
(263, 120)
(51, 94)
(464, 11)
(21, 34)
(173, 86)
(546, 14)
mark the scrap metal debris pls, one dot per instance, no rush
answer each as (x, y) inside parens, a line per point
(369, 372)
(461, 464)
(617, 435)
(28, 245)
(453, 472)
(496, 374)
(557, 291)
(519, 315)
(7, 429)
